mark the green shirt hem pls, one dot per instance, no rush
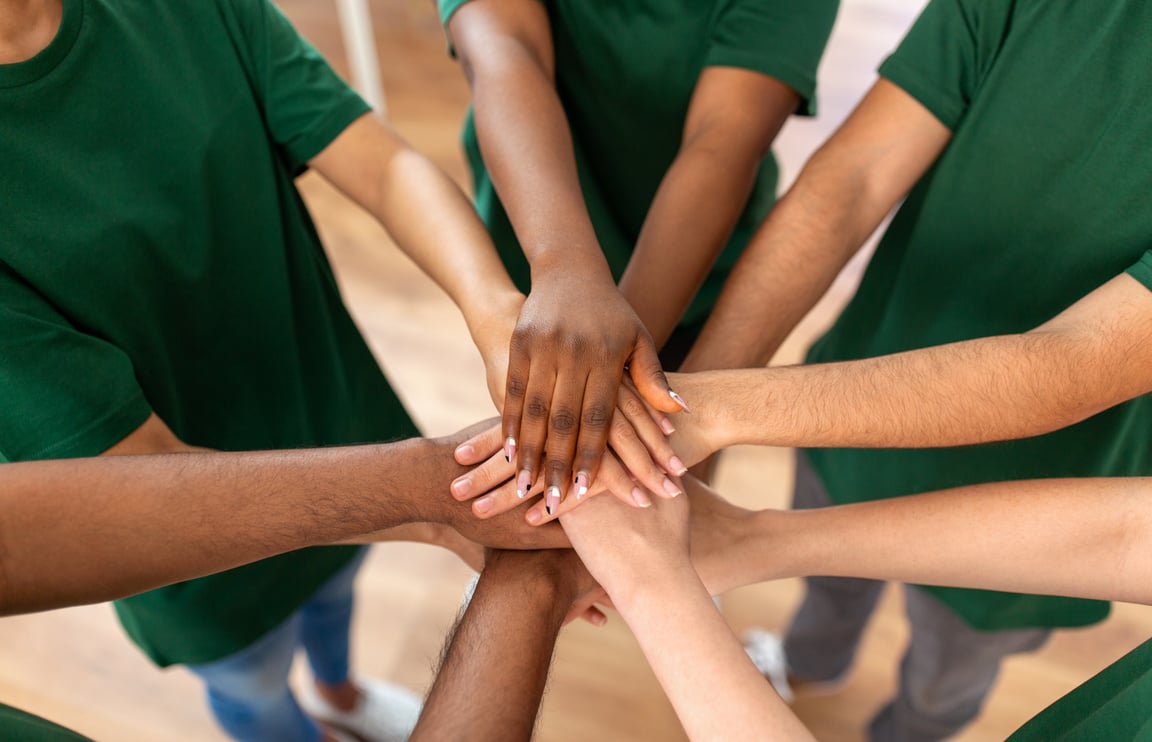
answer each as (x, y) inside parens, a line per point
(912, 82)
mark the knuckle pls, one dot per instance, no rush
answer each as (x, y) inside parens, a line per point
(631, 406)
(516, 386)
(537, 407)
(597, 416)
(555, 468)
(563, 421)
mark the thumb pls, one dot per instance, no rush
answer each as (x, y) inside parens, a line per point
(648, 376)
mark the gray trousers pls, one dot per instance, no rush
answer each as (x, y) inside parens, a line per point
(948, 667)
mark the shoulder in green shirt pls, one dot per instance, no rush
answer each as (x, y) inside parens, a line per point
(625, 72)
(1039, 199)
(156, 257)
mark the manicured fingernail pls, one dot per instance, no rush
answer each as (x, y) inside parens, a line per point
(667, 426)
(483, 505)
(510, 448)
(677, 465)
(670, 487)
(465, 451)
(461, 487)
(552, 500)
(640, 498)
(581, 485)
(534, 517)
(523, 483)
(679, 400)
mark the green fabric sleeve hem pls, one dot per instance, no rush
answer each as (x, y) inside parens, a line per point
(304, 148)
(895, 71)
(794, 77)
(96, 437)
(1142, 271)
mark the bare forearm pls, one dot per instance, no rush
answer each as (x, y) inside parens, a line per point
(717, 693)
(788, 265)
(88, 530)
(496, 663)
(1087, 538)
(978, 391)
(433, 222)
(689, 223)
(528, 151)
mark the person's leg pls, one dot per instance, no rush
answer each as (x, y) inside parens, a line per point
(372, 710)
(249, 695)
(946, 672)
(325, 629)
(821, 640)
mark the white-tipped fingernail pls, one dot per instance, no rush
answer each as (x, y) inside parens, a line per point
(670, 487)
(552, 500)
(679, 400)
(523, 484)
(666, 426)
(677, 466)
(640, 498)
(581, 485)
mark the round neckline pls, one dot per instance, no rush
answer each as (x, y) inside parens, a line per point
(47, 59)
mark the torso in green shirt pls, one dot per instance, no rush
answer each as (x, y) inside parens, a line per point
(155, 256)
(1040, 198)
(625, 72)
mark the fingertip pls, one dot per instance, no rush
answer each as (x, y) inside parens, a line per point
(461, 488)
(465, 453)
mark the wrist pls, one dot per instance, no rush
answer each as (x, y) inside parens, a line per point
(543, 576)
(571, 262)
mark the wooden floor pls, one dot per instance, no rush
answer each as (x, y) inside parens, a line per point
(75, 666)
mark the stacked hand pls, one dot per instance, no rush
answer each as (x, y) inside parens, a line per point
(563, 403)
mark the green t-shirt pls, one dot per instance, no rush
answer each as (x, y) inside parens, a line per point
(155, 256)
(625, 72)
(1040, 198)
(1114, 706)
(19, 726)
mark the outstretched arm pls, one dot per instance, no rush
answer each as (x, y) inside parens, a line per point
(734, 116)
(496, 661)
(434, 224)
(1083, 538)
(87, 530)
(641, 559)
(1094, 355)
(844, 192)
(576, 333)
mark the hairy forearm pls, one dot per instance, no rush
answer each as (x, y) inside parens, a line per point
(717, 693)
(89, 530)
(985, 390)
(496, 662)
(788, 265)
(687, 226)
(1086, 538)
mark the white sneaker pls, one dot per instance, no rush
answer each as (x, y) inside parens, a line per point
(766, 650)
(386, 712)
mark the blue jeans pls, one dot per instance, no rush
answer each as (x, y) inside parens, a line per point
(248, 691)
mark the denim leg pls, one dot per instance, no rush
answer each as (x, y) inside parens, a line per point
(326, 622)
(248, 691)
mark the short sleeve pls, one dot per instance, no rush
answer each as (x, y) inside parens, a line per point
(64, 393)
(305, 103)
(784, 39)
(1142, 271)
(945, 56)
